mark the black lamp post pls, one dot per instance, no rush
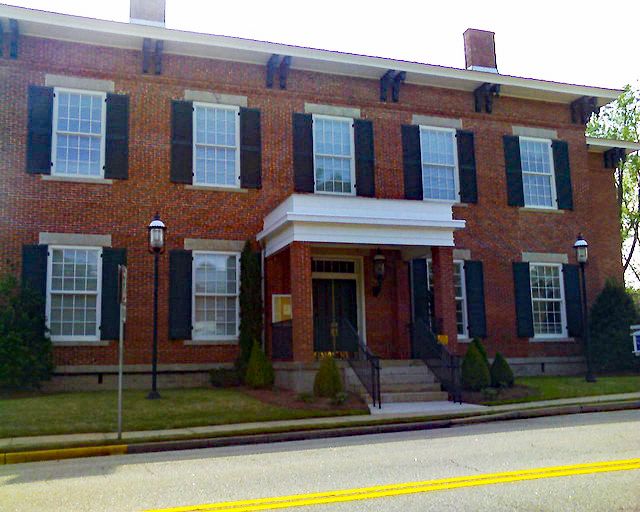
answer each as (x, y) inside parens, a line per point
(582, 254)
(156, 247)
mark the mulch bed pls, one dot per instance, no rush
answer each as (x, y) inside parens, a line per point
(480, 397)
(292, 400)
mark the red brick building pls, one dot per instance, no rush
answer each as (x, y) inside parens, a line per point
(383, 195)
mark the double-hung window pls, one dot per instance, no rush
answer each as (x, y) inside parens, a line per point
(547, 300)
(78, 139)
(538, 179)
(216, 288)
(460, 293)
(439, 163)
(73, 293)
(333, 155)
(216, 155)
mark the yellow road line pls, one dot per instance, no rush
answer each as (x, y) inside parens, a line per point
(384, 491)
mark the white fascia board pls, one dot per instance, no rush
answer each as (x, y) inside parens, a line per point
(597, 145)
(126, 35)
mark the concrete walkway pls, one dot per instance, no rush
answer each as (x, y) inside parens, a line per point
(400, 411)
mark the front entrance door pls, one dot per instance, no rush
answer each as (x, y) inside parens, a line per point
(335, 315)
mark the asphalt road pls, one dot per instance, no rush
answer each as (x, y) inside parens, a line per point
(185, 478)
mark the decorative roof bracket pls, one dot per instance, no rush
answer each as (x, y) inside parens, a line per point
(613, 157)
(484, 95)
(582, 108)
(13, 41)
(395, 89)
(151, 52)
(385, 82)
(285, 64)
(271, 69)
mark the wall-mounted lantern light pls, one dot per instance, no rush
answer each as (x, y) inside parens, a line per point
(378, 271)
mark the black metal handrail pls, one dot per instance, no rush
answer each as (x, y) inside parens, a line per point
(365, 365)
(444, 364)
(281, 341)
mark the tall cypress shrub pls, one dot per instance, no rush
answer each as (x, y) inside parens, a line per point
(611, 315)
(250, 305)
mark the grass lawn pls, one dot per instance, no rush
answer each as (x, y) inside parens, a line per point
(68, 413)
(550, 388)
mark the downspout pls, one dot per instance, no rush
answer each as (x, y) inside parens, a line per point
(264, 308)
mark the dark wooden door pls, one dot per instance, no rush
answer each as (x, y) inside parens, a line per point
(335, 315)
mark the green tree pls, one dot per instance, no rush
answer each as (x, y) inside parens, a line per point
(501, 373)
(620, 120)
(611, 315)
(259, 370)
(25, 350)
(475, 372)
(327, 382)
(250, 304)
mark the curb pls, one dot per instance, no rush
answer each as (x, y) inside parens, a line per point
(301, 434)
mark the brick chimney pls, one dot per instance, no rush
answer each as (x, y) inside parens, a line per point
(147, 12)
(480, 50)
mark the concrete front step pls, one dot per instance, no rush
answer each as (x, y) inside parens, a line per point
(405, 363)
(416, 396)
(422, 378)
(409, 387)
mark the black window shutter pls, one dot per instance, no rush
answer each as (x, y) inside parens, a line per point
(182, 141)
(365, 161)
(34, 270)
(467, 167)
(110, 309)
(40, 127)
(524, 312)
(250, 148)
(117, 137)
(412, 162)
(303, 152)
(474, 282)
(513, 166)
(180, 262)
(420, 290)
(563, 174)
(572, 300)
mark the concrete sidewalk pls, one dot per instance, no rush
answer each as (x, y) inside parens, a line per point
(403, 412)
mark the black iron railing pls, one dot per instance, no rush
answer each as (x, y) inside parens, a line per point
(444, 364)
(365, 365)
(281, 341)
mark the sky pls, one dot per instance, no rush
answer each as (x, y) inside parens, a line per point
(577, 42)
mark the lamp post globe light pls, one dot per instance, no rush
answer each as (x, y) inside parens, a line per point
(582, 255)
(156, 229)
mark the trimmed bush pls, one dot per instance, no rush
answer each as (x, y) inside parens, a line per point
(224, 378)
(483, 351)
(259, 370)
(475, 373)
(501, 373)
(250, 305)
(611, 315)
(327, 382)
(26, 355)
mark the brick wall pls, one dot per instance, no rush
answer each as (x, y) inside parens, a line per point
(496, 233)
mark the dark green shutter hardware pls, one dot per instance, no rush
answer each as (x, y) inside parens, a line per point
(303, 153)
(513, 167)
(117, 137)
(467, 167)
(250, 148)
(474, 283)
(180, 284)
(483, 97)
(110, 306)
(364, 157)
(562, 174)
(412, 162)
(524, 311)
(182, 141)
(573, 299)
(40, 129)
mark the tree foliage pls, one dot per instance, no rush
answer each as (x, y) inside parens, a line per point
(475, 372)
(501, 373)
(25, 351)
(250, 305)
(327, 382)
(620, 120)
(259, 373)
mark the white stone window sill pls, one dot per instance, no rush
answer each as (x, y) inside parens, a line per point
(72, 343)
(236, 190)
(539, 210)
(76, 179)
(460, 205)
(552, 340)
(211, 342)
(464, 339)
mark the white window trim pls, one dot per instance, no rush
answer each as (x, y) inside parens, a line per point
(227, 338)
(563, 305)
(465, 316)
(352, 156)
(68, 338)
(456, 169)
(554, 194)
(54, 134)
(233, 108)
